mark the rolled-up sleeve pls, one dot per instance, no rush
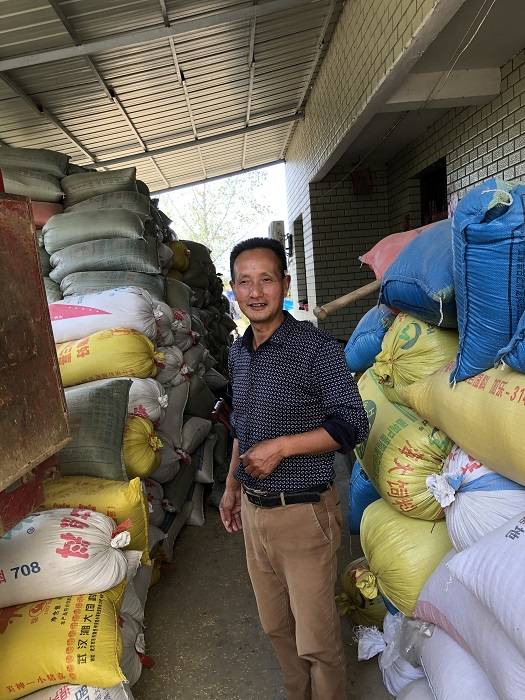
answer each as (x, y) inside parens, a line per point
(345, 417)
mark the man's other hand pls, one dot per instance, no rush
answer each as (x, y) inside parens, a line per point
(261, 459)
(230, 508)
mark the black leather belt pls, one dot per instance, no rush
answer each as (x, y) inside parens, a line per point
(272, 499)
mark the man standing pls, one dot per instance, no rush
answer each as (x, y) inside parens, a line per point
(295, 403)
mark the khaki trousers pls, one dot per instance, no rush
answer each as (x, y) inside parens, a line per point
(291, 555)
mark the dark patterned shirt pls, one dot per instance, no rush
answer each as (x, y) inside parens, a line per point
(295, 382)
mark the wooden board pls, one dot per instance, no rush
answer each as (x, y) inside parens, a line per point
(33, 413)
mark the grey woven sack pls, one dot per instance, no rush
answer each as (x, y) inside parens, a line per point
(52, 290)
(132, 201)
(63, 230)
(79, 283)
(97, 418)
(201, 399)
(111, 254)
(30, 183)
(178, 294)
(82, 186)
(40, 159)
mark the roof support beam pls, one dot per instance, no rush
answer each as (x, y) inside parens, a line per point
(218, 177)
(251, 66)
(202, 141)
(145, 36)
(462, 87)
(182, 83)
(313, 69)
(108, 91)
(42, 112)
(159, 171)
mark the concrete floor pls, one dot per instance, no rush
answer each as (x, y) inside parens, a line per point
(203, 630)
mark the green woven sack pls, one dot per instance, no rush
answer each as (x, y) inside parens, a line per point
(97, 417)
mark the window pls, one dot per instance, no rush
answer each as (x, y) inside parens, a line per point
(433, 184)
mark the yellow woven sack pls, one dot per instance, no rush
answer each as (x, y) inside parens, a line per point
(181, 256)
(176, 275)
(353, 603)
(118, 499)
(485, 415)
(141, 447)
(119, 352)
(61, 640)
(401, 451)
(401, 552)
(411, 350)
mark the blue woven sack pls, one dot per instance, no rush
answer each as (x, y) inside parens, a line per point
(421, 280)
(489, 275)
(360, 495)
(365, 341)
(513, 354)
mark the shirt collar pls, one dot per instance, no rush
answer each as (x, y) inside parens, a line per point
(278, 337)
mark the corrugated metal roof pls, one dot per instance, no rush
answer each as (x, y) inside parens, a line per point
(236, 71)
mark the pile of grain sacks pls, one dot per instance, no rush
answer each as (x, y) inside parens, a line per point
(442, 517)
(141, 372)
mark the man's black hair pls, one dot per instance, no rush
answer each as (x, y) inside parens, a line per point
(253, 243)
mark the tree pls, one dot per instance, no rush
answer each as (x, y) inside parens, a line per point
(221, 213)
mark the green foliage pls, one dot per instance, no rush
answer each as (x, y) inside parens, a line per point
(221, 213)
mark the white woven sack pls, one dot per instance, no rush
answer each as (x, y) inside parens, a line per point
(147, 399)
(396, 670)
(204, 459)
(131, 604)
(171, 368)
(132, 645)
(81, 692)
(79, 316)
(155, 495)
(61, 552)
(183, 335)
(196, 517)
(452, 672)
(493, 570)
(445, 602)
(417, 690)
(141, 582)
(165, 324)
(476, 500)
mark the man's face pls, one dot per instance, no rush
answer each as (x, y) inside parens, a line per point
(259, 286)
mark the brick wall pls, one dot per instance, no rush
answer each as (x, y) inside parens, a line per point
(345, 226)
(477, 142)
(368, 40)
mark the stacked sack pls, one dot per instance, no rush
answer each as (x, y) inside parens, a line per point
(65, 576)
(37, 173)
(135, 377)
(444, 450)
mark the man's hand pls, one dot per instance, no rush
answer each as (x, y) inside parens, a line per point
(261, 459)
(230, 508)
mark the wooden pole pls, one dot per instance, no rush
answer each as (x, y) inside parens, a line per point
(321, 312)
